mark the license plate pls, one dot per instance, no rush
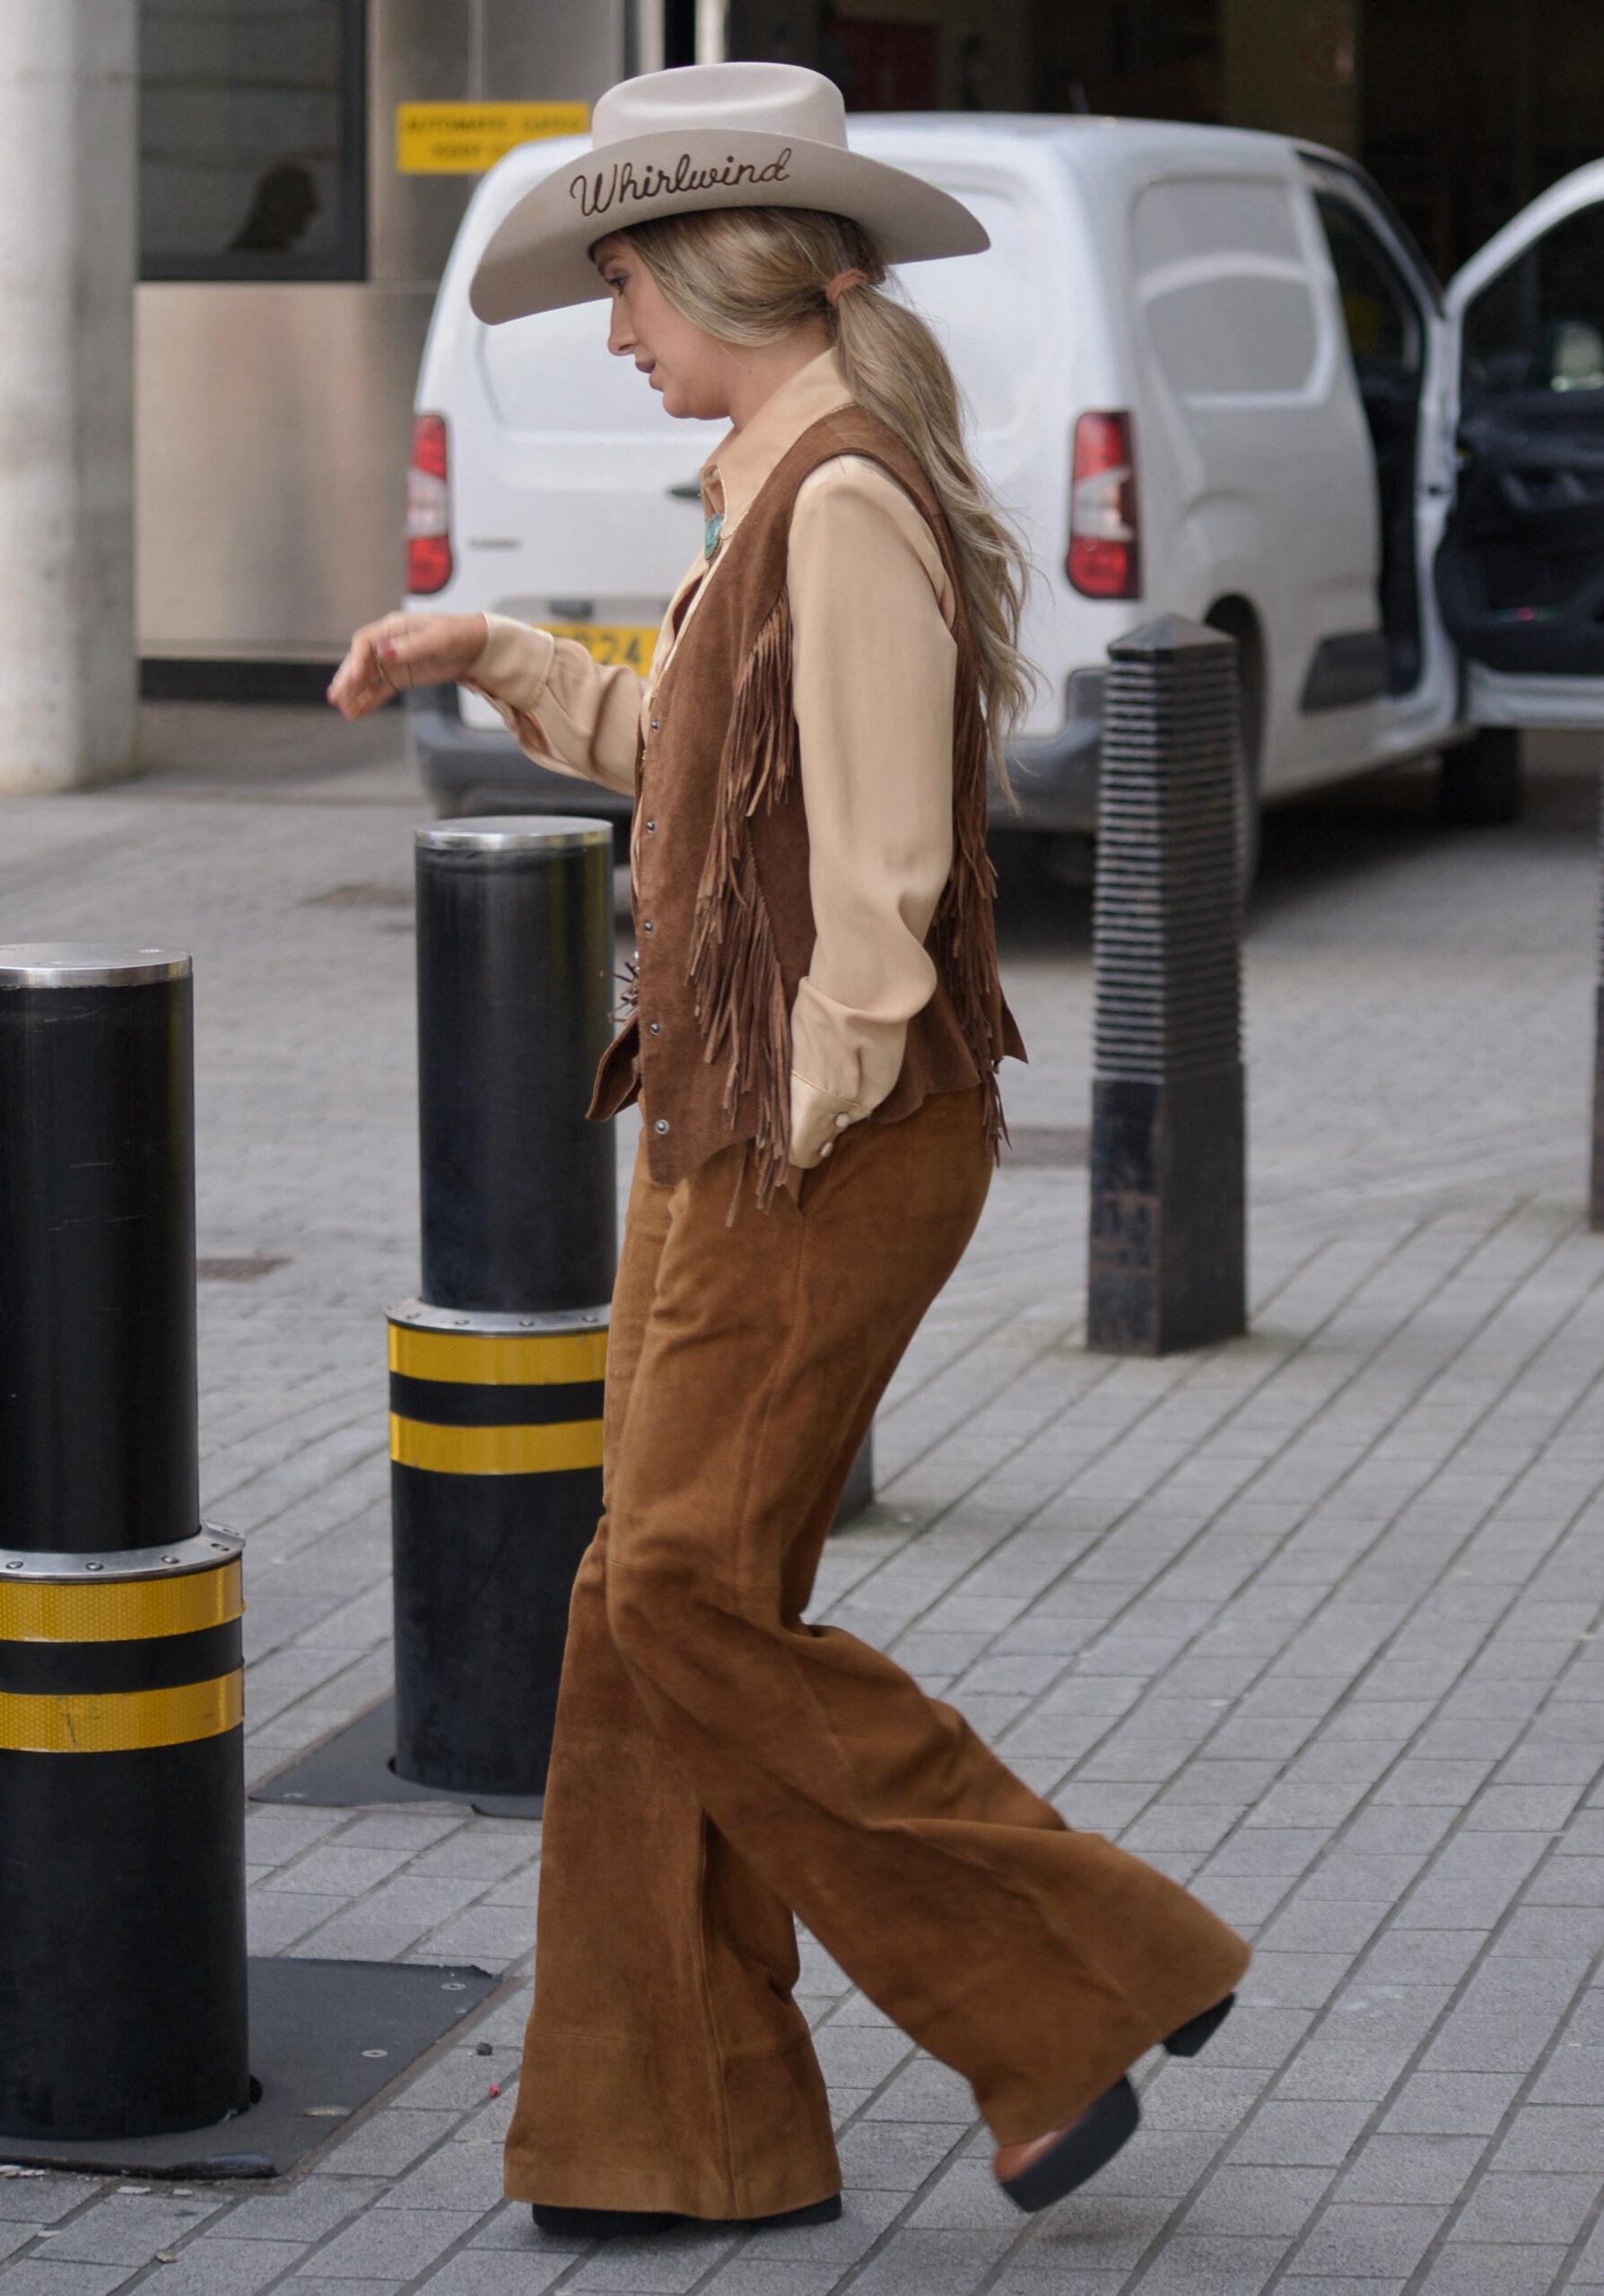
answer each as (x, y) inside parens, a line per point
(610, 643)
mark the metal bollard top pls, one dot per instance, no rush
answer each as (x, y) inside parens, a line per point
(514, 833)
(87, 964)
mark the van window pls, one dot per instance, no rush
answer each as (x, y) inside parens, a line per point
(553, 377)
(988, 316)
(1539, 325)
(1380, 312)
(1223, 287)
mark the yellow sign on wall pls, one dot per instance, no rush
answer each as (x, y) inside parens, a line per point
(466, 139)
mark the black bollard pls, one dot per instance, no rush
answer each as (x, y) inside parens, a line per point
(1167, 1239)
(1595, 1194)
(496, 1373)
(122, 1793)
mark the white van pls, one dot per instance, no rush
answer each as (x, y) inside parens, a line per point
(1209, 373)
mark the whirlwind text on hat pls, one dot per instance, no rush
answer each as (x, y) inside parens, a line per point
(595, 194)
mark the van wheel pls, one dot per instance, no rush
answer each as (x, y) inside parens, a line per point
(1071, 858)
(1478, 785)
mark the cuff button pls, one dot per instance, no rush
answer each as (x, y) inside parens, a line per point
(841, 1123)
(828, 1149)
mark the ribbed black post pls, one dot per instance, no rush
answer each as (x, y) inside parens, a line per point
(122, 1793)
(1595, 1194)
(1167, 1258)
(496, 1372)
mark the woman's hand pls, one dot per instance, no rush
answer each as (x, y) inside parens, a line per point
(405, 649)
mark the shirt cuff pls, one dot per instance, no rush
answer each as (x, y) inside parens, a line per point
(514, 664)
(818, 1120)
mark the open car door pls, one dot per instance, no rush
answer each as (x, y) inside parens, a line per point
(1520, 570)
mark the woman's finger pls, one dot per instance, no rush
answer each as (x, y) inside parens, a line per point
(400, 651)
(361, 684)
(419, 654)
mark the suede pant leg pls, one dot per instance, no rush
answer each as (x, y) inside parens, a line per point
(1037, 1960)
(666, 2064)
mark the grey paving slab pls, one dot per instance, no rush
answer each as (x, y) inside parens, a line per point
(224, 2267)
(389, 2243)
(1407, 2169)
(41, 2276)
(128, 2227)
(1369, 2238)
(1226, 2265)
(476, 2272)
(1461, 2269)
(42, 2200)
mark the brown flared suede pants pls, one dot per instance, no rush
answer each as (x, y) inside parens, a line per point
(721, 1764)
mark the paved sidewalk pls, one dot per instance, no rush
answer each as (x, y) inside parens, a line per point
(1308, 1620)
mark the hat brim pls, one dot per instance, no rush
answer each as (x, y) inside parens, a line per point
(536, 259)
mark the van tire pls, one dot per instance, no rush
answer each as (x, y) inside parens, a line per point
(1478, 785)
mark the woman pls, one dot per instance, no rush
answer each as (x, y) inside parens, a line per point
(816, 1030)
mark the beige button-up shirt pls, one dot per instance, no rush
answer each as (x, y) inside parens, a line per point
(873, 662)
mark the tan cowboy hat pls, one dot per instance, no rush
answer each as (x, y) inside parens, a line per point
(705, 135)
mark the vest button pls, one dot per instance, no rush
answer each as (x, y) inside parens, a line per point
(654, 724)
(654, 1028)
(648, 926)
(661, 1125)
(651, 825)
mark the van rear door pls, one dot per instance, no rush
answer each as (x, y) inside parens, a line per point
(1519, 571)
(1250, 437)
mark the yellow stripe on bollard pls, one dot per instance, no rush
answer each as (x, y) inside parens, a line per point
(496, 1450)
(120, 1610)
(500, 1358)
(90, 1722)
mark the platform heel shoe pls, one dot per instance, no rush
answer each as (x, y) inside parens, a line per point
(1091, 2142)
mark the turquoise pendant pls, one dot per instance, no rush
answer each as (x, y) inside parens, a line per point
(709, 539)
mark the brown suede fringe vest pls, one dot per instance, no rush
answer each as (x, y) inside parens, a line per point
(723, 919)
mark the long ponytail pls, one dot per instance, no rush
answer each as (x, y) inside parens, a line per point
(749, 274)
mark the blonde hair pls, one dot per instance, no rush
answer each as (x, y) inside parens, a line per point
(748, 275)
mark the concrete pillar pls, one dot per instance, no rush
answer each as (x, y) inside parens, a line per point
(68, 206)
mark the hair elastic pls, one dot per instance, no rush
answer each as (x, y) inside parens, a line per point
(837, 287)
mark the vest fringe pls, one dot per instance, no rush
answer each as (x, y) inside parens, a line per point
(965, 928)
(735, 973)
(734, 970)
(630, 997)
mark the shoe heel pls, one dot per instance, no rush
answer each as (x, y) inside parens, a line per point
(1187, 2039)
(1086, 2145)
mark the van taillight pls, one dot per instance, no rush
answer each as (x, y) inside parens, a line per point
(1103, 511)
(428, 506)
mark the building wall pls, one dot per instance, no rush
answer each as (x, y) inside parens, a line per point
(274, 381)
(1472, 107)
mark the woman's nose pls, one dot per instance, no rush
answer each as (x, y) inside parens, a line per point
(619, 341)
